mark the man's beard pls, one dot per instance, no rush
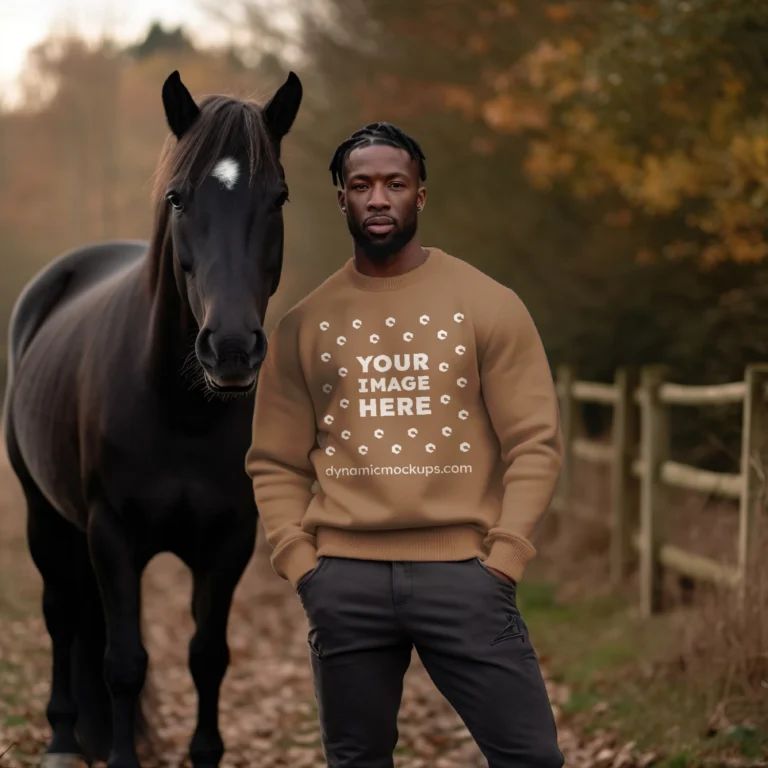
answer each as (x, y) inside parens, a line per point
(380, 250)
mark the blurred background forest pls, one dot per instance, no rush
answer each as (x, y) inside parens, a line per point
(607, 160)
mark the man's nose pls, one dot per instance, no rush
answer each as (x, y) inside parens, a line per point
(378, 199)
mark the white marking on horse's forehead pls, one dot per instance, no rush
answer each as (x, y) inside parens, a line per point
(226, 171)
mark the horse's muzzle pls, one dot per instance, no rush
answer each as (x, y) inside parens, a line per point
(231, 363)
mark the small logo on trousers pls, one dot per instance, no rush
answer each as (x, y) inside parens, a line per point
(511, 632)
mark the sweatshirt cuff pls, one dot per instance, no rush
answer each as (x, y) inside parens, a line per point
(295, 559)
(510, 555)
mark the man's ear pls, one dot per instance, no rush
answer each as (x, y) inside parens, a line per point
(421, 199)
(342, 200)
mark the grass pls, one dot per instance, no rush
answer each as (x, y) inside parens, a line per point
(620, 669)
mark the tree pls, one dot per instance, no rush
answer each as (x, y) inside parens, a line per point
(664, 103)
(159, 40)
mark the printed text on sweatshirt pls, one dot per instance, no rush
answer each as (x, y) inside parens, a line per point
(405, 418)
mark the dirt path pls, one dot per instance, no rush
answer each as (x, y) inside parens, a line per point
(267, 713)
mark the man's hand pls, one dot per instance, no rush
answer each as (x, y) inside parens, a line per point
(502, 575)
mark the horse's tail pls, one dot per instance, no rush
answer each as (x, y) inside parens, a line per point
(89, 688)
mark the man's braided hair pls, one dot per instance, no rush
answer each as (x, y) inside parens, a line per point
(376, 133)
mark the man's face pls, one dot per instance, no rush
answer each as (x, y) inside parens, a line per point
(381, 198)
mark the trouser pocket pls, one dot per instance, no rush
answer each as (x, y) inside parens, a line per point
(309, 598)
(493, 577)
(310, 575)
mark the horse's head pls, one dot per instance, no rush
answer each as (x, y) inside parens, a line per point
(224, 189)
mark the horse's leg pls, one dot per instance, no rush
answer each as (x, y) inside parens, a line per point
(213, 587)
(125, 662)
(58, 550)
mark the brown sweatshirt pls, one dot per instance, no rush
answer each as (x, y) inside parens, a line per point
(405, 418)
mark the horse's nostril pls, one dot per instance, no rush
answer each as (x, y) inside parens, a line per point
(205, 348)
(258, 347)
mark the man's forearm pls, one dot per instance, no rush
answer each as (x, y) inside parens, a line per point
(522, 403)
(278, 460)
(529, 486)
(282, 496)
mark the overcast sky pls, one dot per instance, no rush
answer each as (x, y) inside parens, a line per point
(23, 23)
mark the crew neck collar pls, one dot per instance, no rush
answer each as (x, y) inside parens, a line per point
(392, 282)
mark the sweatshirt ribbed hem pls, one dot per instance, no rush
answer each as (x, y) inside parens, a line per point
(509, 555)
(438, 543)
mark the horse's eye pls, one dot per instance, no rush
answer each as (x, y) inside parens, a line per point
(282, 199)
(174, 198)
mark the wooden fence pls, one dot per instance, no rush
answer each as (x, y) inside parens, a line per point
(640, 450)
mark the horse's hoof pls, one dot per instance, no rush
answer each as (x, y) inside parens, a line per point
(63, 760)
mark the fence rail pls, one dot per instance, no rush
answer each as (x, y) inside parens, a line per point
(639, 451)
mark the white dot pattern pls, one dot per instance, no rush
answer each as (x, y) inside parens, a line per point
(443, 366)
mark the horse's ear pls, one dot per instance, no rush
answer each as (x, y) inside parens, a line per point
(180, 107)
(280, 111)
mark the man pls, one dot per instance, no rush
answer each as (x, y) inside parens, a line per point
(406, 442)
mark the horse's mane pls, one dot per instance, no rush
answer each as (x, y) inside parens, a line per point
(224, 125)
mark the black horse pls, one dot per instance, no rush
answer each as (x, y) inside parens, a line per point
(128, 415)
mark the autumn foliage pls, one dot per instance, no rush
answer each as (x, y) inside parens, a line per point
(662, 104)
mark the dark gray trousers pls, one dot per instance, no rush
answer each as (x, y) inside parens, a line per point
(364, 619)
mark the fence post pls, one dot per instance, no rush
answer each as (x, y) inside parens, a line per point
(623, 484)
(754, 465)
(565, 379)
(654, 451)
